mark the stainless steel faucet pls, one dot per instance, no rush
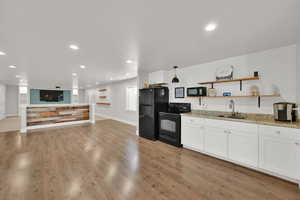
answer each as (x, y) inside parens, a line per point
(232, 106)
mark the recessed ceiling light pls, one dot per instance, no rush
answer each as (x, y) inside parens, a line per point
(74, 74)
(129, 61)
(2, 53)
(74, 46)
(82, 66)
(210, 27)
(12, 67)
(111, 78)
(18, 76)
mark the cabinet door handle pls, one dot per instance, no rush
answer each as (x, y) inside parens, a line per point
(297, 143)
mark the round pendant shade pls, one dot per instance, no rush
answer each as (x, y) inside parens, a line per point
(175, 80)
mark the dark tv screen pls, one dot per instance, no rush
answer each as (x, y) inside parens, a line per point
(51, 95)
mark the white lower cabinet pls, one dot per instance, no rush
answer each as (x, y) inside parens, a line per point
(192, 136)
(271, 149)
(280, 155)
(298, 164)
(243, 147)
(215, 141)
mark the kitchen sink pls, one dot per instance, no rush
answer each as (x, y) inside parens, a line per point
(233, 116)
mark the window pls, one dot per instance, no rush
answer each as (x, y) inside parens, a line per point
(131, 101)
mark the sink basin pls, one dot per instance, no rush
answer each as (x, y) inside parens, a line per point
(233, 116)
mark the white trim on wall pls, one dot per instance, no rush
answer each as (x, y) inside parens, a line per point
(117, 119)
(12, 115)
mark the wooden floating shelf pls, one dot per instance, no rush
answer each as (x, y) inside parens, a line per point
(102, 90)
(103, 103)
(241, 96)
(241, 87)
(102, 97)
(232, 80)
(157, 85)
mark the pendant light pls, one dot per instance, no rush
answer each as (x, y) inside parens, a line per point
(175, 79)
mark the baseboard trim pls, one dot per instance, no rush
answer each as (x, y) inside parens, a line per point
(103, 116)
(117, 119)
(12, 115)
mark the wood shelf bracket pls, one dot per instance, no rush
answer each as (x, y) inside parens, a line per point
(241, 85)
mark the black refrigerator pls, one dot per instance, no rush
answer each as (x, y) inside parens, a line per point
(151, 102)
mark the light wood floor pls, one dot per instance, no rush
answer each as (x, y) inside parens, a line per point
(108, 161)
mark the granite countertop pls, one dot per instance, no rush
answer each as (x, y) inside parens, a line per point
(262, 119)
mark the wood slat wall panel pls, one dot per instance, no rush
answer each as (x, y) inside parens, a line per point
(58, 115)
(72, 108)
(56, 121)
(52, 115)
(48, 114)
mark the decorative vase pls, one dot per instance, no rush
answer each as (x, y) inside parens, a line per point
(254, 90)
(212, 92)
(146, 84)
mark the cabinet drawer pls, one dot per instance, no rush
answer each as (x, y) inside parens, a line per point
(192, 120)
(246, 127)
(280, 132)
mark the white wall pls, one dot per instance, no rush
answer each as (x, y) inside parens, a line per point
(117, 94)
(298, 72)
(81, 94)
(12, 100)
(277, 68)
(142, 78)
(2, 100)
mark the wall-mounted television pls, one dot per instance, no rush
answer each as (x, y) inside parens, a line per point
(51, 95)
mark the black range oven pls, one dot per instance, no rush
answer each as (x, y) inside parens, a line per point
(170, 123)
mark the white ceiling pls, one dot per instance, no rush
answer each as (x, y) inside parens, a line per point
(156, 34)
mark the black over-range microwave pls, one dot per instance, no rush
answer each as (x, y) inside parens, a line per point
(196, 91)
